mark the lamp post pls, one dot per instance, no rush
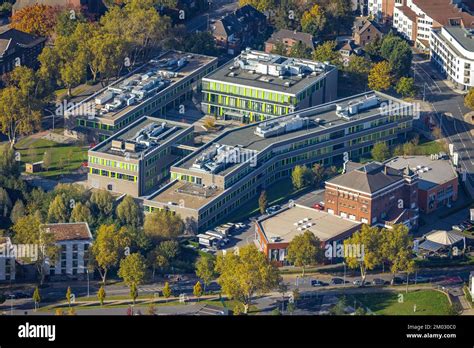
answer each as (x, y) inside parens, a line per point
(344, 263)
(87, 271)
(11, 303)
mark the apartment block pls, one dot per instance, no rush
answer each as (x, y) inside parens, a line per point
(375, 194)
(164, 83)
(452, 51)
(215, 181)
(256, 86)
(137, 159)
(74, 241)
(414, 19)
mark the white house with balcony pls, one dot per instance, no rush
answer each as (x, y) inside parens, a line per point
(452, 51)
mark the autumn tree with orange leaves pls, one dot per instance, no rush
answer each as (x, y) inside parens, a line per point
(37, 19)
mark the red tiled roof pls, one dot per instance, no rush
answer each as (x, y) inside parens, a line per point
(408, 12)
(443, 12)
(69, 231)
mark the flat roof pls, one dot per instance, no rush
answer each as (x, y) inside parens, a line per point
(323, 225)
(431, 172)
(232, 72)
(464, 36)
(165, 131)
(322, 119)
(185, 194)
(164, 70)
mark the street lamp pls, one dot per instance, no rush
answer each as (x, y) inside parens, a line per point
(87, 271)
(344, 263)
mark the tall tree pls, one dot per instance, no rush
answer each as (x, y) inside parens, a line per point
(380, 152)
(397, 249)
(469, 99)
(304, 250)
(242, 276)
(37, 19)
(380, 78)
(406, 87)
(132, 270)
(370, 239)
(58, 210)
(205, 269)
(301, 176)
(109, 247)
(18, 211)
(318, 174)
(101, 295)
(128, 212)
(103, 201)
(162, 225)
(36, 297)
(314, 20)
(81, 213)
(197, 290)
(326, 52)
(261, 5)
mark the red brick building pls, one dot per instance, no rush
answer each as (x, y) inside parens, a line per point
(438, 180)
(374, 194)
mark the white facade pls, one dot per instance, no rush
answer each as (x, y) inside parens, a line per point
(414, 28)
(73, 258)
(7, 261)
(453, 58)
(374, 8)
(403, 24)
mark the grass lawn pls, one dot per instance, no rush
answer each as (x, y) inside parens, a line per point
(277, 193)
(428, 302)
(229, 304)
(71, 156)
(429, 147)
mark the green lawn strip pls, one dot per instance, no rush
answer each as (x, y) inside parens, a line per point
(428, 302)
(428, 148)
(277, 193)
(33, 151)
(229, 304)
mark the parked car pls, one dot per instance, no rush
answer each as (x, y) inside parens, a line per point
(272, 209)
(457, 228)
(21, 294)
(378, 281)
(240, 225)
(318, 206)
(316, 282)
(336, 281)
(358, 282)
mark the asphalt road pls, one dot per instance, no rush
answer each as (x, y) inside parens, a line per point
(450, 111)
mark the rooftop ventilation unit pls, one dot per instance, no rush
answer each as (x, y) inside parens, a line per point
(354, 107)
(281, 126)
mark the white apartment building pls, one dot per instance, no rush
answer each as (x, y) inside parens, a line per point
(416, 18)
(74, 241)
(452, 50)
(7, 260)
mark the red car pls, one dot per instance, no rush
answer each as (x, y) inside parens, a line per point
(318, 206)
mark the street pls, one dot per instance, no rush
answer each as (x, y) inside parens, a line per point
(450, 110)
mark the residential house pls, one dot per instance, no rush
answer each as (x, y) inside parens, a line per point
(289, 38)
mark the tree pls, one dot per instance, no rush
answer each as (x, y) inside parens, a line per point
(300, 50)
(408, 149)
(197, 290)
(101, 295)
(261, 5)
(28, 230)
(38, 19)
(400, 59)
(109, 247)
(396, 250)
(132, 269)
(326, 52)
(103, 201)
(340, 307)
(18, 211)
(359, 68)
(242, 276)
(301, 176)
(128, 212)
(469, 99)
(5, 202)
(370, 239)
(314, 20)
(9, 166)
(380, 152)
(280, 48)
(68, 296)
(437, 133)
(47, 160)
(17, 116)
(36, 297)
(210, 123)
(133, 292)
(380, 78)
(262, 202)
(162, 224)
(81, 213)
(167, 290)
(58, 211)
(205, 266)
(318, 174)
(304, 250)
(406, 87)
